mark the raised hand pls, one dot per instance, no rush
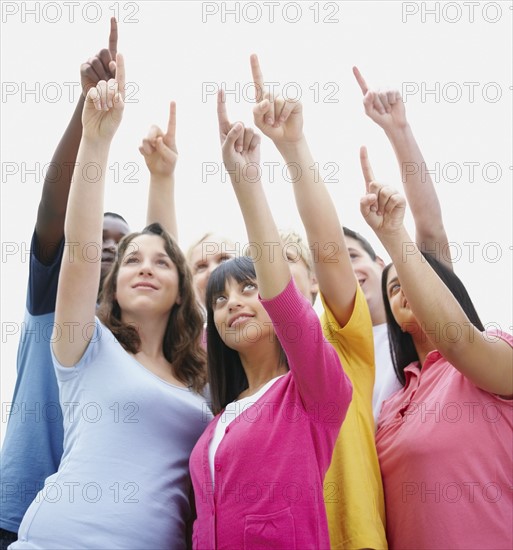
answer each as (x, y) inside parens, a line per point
(278, 118)
(103, 109)
(101, 66)
(385, 108)
(240, 146)
(159, 149)
(382, 207)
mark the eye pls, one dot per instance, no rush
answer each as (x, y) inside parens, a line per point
(353, 255)
(219, 300)
(394, 288)
(163, 262)
(131, 260)
(198, 268)
(224, 258)
(248, 287)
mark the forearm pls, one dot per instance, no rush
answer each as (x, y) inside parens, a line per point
(420, 192)
(313, 201)
(84, 216)
(271, 268)
(54, 197)
(324, 232)
(431, 302)
(161, 203)
(487, 364)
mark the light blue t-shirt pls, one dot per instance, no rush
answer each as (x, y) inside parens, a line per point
(123, 481)
(32, 446)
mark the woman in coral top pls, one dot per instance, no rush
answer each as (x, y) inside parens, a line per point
(277, 387)
(445, 439)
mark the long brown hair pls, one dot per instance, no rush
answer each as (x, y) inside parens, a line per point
(182, 339)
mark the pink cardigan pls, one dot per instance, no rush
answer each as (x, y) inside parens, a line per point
(270, 466)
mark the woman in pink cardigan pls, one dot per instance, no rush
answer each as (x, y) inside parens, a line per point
(277, 387)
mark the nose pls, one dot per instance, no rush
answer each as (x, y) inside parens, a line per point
(145, 267)
(233, 301)
(109, 246)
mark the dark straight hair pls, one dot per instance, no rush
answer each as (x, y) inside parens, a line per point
(402, 347)
(226, 375)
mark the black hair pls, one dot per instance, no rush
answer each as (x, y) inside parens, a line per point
(114, 215)
(226, 375)
(362, 240)
(402, 347)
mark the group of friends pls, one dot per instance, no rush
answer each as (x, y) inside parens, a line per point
(198, 400)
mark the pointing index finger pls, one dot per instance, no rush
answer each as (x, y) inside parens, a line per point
(366, 167)
(222, 114)
(113, 37)
(361, 81)
(171, 125)
(258, 79)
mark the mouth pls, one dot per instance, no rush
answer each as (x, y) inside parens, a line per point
(239, 320)
(145, 286)
(107, 258)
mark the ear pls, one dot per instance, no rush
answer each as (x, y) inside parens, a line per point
(178, 300)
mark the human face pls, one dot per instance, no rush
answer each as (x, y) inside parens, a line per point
(204, 259)
(148, 280)
(368, 273)
(114, 230)
(240, 319)
(399, 306)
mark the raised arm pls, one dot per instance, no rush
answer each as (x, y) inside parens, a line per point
(387, 110)
(241, 157)
(80, 274)
(485, 363)
(282, 121)
(160, 153)
(54, 197)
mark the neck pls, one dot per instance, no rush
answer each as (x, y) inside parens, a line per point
(378, 315)
(423, 345)
(151, 331)
(261, 365)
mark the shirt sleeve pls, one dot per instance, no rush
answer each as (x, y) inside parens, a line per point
(43, 280)
(314, 364)
(67, 373)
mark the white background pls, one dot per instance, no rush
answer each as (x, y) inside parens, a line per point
(182, 50)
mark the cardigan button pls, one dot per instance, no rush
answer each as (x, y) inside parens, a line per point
(218, 467)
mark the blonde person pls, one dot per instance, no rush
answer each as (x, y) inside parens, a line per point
(204, 256)
(134, 375)
(353, 490)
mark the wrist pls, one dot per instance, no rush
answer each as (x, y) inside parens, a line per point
(394, 241)
(95, 142)
(398, 132)
(292, 149)
(162, 178)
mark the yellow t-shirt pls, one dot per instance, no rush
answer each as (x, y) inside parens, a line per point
(353, 491)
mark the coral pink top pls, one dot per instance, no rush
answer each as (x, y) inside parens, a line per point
(445, 449)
